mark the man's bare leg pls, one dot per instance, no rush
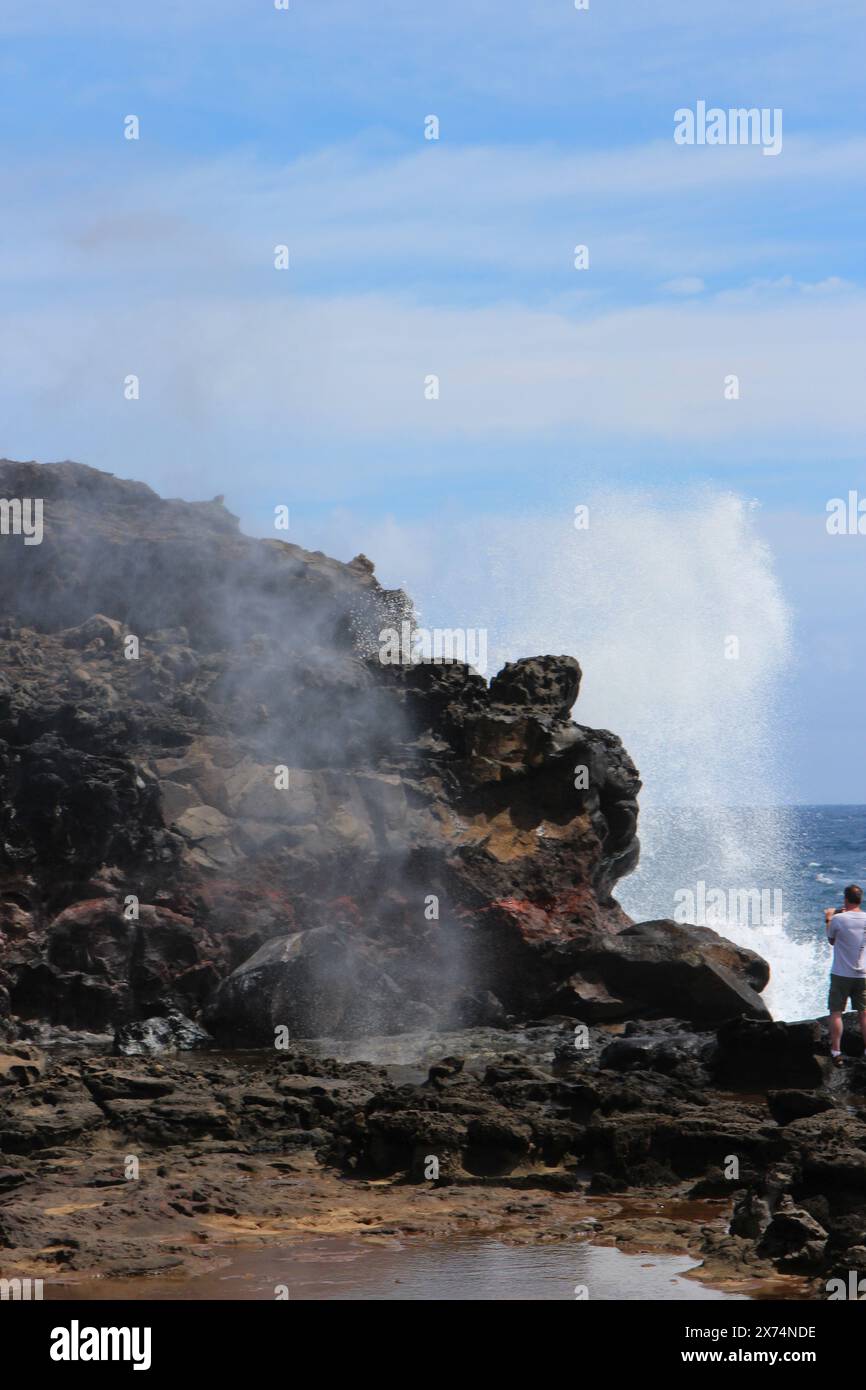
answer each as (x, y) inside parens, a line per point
(836, 1031)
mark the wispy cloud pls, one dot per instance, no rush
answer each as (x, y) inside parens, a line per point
(236, 372)
(511, 215)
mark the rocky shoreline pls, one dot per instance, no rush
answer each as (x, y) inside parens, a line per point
(228, 825)
(119, 1166)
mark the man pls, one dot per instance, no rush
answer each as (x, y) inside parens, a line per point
(846, 932)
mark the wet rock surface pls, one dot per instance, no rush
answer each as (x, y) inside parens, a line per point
(154, 1037)
(135, 1164)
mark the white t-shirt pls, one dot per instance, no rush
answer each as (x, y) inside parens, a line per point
(848, 931)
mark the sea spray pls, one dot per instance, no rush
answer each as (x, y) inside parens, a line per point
(673, 608)
(677, 617)
(736, 850)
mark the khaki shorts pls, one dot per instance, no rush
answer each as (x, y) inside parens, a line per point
(843, 988)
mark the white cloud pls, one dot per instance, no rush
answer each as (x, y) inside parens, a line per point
(373, 210)
(833, 284)
(233, 374)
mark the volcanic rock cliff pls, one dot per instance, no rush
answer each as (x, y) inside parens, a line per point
(216, 799)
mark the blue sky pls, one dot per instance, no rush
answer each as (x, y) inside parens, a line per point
(455, 257)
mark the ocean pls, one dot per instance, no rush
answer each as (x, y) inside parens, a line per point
(761, 877)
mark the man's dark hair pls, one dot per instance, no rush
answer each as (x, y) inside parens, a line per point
(853, 894)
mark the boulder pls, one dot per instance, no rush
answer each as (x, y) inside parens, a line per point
(321, 982)
(789, 1230)
(669, 1049)
(154, 1037)
(666, 968)
(757, 1053)
(541, 683)
(97, 628)
(785, 1106)
(99, 967)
